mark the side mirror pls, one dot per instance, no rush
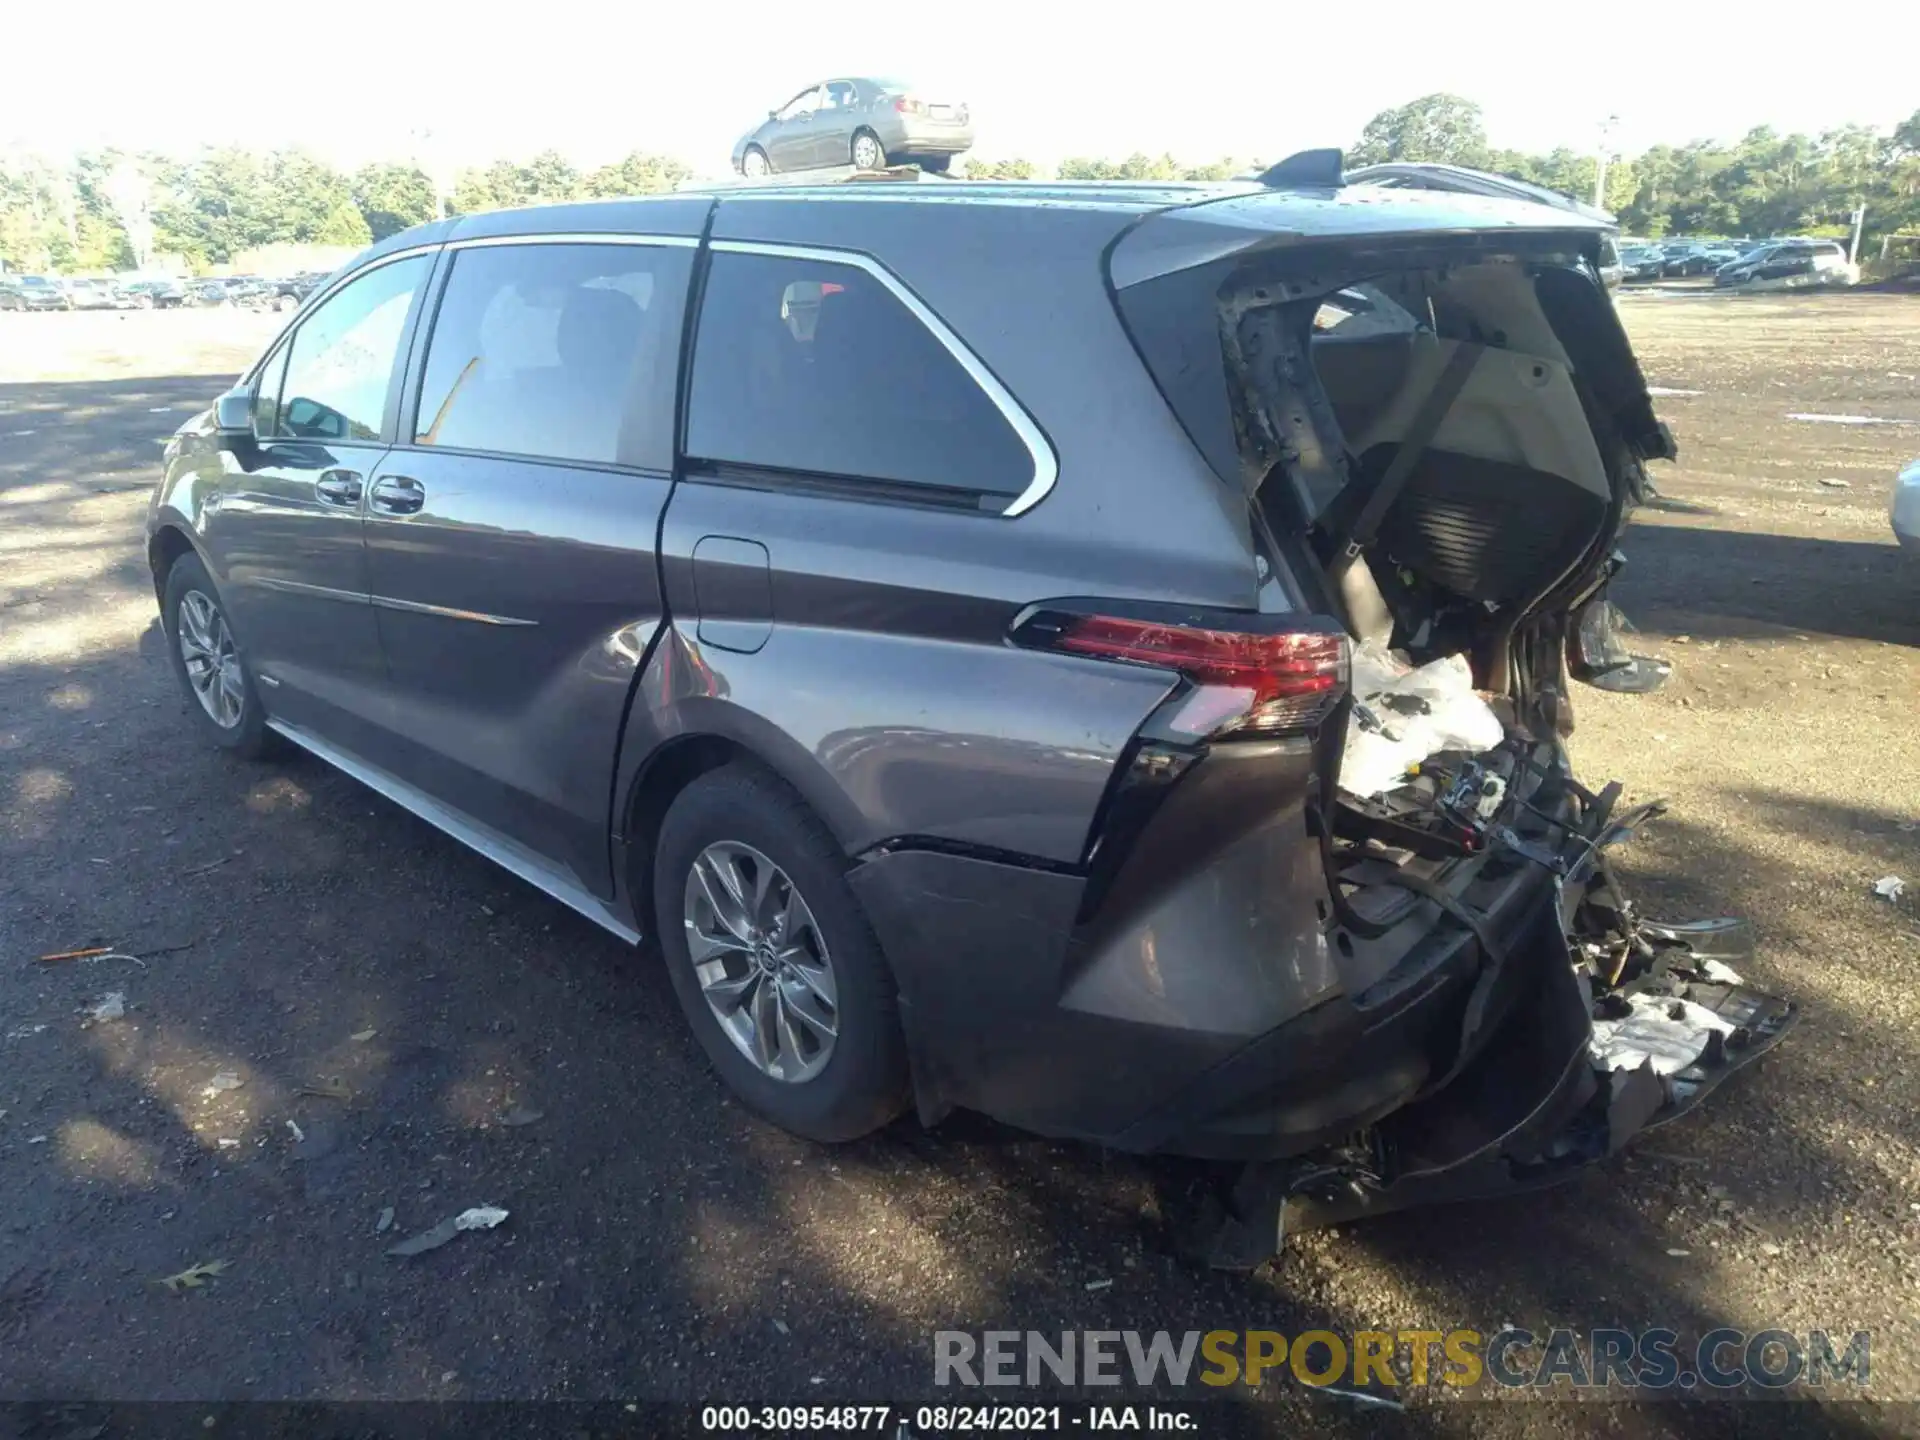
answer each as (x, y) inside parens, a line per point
(773, 114)
(233, 417)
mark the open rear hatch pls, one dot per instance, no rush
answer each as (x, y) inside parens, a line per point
(1440, 428)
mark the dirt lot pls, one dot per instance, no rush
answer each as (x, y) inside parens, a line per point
(300, 933)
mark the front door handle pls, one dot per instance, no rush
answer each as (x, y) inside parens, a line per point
(398, 494)
(339, 487)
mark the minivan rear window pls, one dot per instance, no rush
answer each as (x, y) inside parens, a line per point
(818, 368)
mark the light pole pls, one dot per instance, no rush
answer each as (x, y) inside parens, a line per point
(1600, 161)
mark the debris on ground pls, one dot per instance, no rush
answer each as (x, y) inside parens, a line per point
(209, 866)
(299, 1135)
(1679, 1254)
(781, 1326)
(360, 1037)
(1666, 390)
(1658, 1031)
(36, 1140)
(522, 1115)
(385, 1222)
(1098, 1284)
(221, 1083)
(480, 1217)
(86, 954)
(327, 1090)
(110, 1006)
(1889, 887)
(1720, 972)
(1834, 482)
(21, 1032)
(195, 1276)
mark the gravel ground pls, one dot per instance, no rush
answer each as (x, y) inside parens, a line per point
(315, 942)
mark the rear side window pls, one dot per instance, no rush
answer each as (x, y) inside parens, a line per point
(341, 362)
(818, 368)
(557, 352)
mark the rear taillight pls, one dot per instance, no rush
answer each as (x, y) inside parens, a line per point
(1246, 683)
(907, 105)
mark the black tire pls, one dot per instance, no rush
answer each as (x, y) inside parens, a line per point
(746, 162)
(248, 737)
(863, 1083)
(878, 161)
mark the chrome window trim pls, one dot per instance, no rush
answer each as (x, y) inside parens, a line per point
(1046, 466)
(320, 297)
(598, 237)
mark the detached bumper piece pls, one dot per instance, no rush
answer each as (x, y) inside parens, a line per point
(1648, 1021)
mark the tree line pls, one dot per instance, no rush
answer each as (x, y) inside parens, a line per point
(114, 210)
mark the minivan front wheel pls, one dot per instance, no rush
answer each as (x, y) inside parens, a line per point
(773, 962)
(207, 661)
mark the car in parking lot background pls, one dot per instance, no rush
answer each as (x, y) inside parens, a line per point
(862, 121)
(1790, 264)
(33, 292)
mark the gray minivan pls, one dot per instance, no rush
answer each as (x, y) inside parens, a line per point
(933, 617)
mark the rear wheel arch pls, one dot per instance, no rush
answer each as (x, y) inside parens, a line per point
(659, 782)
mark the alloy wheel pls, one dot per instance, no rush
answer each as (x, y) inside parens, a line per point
(761, 961)
(212, 661)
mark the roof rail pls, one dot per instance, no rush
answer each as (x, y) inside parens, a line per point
(1308, 170)
(823, 175)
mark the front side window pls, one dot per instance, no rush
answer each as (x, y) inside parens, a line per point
(819, 368)
(805, 103)
(558, 352)
(341, 361)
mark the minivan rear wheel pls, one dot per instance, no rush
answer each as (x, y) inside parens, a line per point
(774, 964)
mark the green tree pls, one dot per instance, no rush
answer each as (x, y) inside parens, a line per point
(638, 174)
(978, 169)
(393, 197)
(1438, 127)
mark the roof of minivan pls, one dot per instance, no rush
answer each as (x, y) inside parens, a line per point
(1357, 210)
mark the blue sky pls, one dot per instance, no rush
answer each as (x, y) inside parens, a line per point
(1045, 80)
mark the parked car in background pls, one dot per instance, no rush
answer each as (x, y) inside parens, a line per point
(287, 294)
(1906, 507)
(1461, 179)
(1790, 265)
(1642, 262)
(869, 123)
(33, 292)
(90, 294)
(154, 294)
(863, 591)
(1683, 258)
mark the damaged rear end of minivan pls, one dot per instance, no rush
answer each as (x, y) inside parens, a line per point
(1440, 429)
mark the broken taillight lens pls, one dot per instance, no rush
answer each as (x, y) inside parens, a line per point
(1245, 683)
